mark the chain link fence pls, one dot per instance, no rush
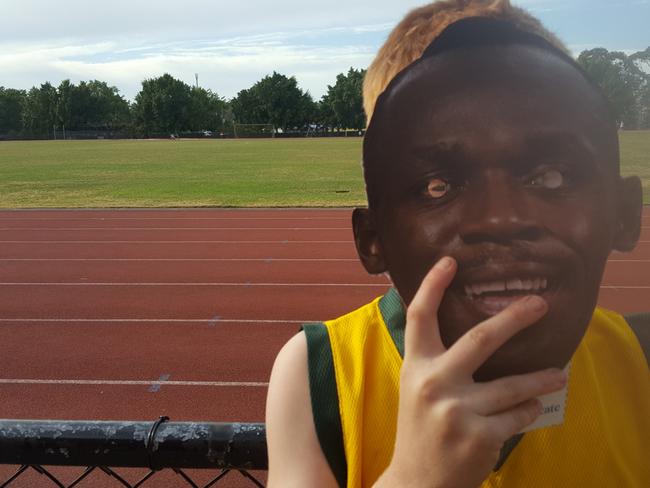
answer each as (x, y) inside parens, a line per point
(198, 454)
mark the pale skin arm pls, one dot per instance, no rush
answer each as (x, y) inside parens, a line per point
(449, 428)
(295, 456)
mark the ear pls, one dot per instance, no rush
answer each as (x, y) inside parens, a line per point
(366, 239)
(630, 206)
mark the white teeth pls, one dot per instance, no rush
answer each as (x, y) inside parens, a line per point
(515, 285)
(494, 286)
(534, 285)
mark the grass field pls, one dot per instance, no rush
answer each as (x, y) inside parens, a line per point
(193, 173)
(635, 158)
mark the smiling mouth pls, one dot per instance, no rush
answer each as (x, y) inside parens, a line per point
(491, 297)
(513, 286)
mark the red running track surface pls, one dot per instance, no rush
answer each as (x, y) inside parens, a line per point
(96, 305)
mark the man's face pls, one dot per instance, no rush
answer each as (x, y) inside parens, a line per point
(499, 158)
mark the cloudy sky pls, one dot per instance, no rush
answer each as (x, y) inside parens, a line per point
(233, 43)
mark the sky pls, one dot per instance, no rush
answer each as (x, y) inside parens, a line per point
(231, 44)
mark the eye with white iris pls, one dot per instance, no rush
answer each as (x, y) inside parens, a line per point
(438, 188)
(551, 179)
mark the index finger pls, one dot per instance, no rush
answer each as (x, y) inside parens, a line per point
(479, 343)
(422, 334)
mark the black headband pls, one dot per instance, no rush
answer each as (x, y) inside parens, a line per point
(474, 32)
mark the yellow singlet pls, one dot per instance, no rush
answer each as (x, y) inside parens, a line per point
(354, 364)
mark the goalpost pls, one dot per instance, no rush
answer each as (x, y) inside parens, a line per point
(254, 130)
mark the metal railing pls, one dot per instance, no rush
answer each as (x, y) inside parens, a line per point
(230, 448)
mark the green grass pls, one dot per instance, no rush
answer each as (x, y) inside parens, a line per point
(635, 157)
(165, 173)
(187, 173)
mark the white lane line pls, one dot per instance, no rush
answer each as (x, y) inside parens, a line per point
(184, 228)
(163, 320)
(628, 260)
(81, 229)
(155, 387)
(248, 284)
(287, 241)
(245, 284)
(624, 287)
(268, 260)
(236, 384)
(49, 219)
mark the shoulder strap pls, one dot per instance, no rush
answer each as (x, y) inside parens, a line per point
(640, 324)
(325, 400)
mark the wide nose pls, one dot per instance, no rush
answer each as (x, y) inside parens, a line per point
(499, 211)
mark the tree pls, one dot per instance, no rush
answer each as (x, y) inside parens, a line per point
(11, 111)
(246, 108)
(40, 111)
(64, 104)
(342, 106)
(104, 106)
(642, 60)
(622, 80)
(162, 106)
(91, 105)
(275, 99)
(207, 110)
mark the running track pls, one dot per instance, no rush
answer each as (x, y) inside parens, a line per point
(133, 314)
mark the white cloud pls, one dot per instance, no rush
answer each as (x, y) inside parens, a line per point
(30, 19)
(225, 66)
(230, 44)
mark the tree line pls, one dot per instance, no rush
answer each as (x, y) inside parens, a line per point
(625, 81)
(166, 105)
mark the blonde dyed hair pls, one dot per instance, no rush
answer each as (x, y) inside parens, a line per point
(416, 31)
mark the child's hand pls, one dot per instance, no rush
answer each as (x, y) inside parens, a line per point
(450, 429)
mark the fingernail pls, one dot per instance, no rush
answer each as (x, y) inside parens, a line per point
(445, 263)
(535, 303)
(539, 407)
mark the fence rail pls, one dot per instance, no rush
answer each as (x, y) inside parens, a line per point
(103, 445)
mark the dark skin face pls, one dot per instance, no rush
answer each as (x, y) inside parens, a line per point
(503, 158)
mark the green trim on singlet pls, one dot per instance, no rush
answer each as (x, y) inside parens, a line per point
(506, 449)
(640, 324)
(325, 399)
(394, 315)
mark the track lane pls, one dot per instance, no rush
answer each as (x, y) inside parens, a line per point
(161, 223)
(624, 272)
(632, 272)
(98, 479)
(176, 250)
(85, 402)
(208, 236)
(224, 352)
(263, 271)
(175, 214)
(184, 302)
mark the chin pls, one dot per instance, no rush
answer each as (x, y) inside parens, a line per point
(548, 343)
